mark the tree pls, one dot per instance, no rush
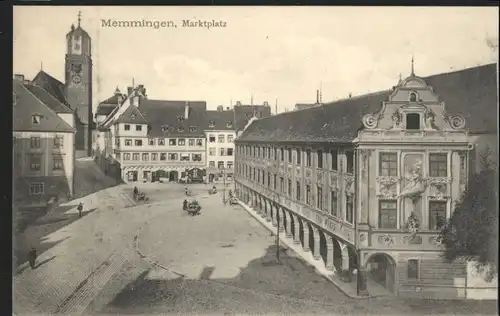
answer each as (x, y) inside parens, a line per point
(472, 231)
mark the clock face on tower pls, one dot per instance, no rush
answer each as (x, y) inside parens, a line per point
(76, 73)
(76, 78)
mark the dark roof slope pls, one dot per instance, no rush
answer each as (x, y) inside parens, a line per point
(470, 92)
(220, 119)
(51, 85)
(47, 98)
(131, 115)
(26, 105)
(105, 109)
(244, 112)
(160, 114)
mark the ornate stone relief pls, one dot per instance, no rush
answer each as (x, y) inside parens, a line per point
(397, 119)
(412, 240)
(333, 179)
(387, 186)
(308, 173)
(370, 121)
(386, 240)
(455, 121)
(435, 240)
(349, 185)
(439, 191)
(297, 172)
(319, 175)
(430, 120)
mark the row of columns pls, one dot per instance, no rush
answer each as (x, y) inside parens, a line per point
(270, 211)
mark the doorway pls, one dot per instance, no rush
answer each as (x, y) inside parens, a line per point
(381, 269)
(173, 176)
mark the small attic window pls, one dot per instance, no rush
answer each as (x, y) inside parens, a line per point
(211, 124)
(36, 119)
(180, 119)
(192, 129)
(413, 121)
(132, 116)
(413, 97)
(164, 128)
(180, 129)
(229, 124)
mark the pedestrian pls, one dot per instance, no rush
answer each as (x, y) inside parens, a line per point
(32, 257)
(80, 209)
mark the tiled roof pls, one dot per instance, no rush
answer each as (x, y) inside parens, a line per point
(160, 114)
(48, 99)
(470, 92)
(105, 109)
(132, 115)
(26, 105)
(244, 112)
(111, 100)
(51, 85)
(220, 120)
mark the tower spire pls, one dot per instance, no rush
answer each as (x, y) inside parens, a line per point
(251, 100)
(320, 92)
(412, 66)
(41, 66)
(79, 17)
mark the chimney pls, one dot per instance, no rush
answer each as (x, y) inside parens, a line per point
(317, 96)
(238, 103)
(186, 110)
(119, 98)
(19, 77)
(350, 95)
(266, 104)
(228, 108)
(135, 100)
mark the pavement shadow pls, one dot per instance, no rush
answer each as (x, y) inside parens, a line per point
(89, 180)
(263, 286)
(41, 263)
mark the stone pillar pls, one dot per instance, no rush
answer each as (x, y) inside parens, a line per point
(265, 209)
(305, 247)
(281, 228)
(296, 224)
(317, 242)
(346, 271)
(362, 278)
(329, 253)
(275, 214)
(288, 224)
(269, 211)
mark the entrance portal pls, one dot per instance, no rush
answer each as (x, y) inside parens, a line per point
(173, 176)
(381, 269)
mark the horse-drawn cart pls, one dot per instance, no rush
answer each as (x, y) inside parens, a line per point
(193, 208)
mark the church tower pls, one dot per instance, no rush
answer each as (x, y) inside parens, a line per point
(78, 84)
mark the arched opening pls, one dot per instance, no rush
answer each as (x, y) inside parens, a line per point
(323, 250)
(311, 238)
(292, 224)
(381, 269)
(337, 256)
(301, 231)
(173, 176)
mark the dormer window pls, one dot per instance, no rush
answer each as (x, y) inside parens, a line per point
(164, 128)
(180, 129)
(180, 119)
(211, 124)
(192, 129)
(229, 124)
(132, 116)
(413, 121)
(36, 119)
(413, 97)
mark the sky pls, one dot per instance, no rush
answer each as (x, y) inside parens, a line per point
(276, 54)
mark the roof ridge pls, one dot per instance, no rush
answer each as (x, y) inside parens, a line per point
(51, 96)
(459, 70)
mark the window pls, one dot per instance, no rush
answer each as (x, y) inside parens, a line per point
(221, 151)
(282, 154)
(151, 142)
(334, 154)
(413, 121)
(333, 203)
(145, 157)
(211, 151)
(138, 142)
(221, 138)
(117, 142)
(349, 212)
(297, 192)
(180, 129)
(211, 124)
(163, 156)
(172, 142)
(308, 194)
(57, 162)
(154, 156)
(413, 97)
(388, 164)
(135, 156)
(387, 214)
(35, 142)
(126, 127)
(35, 162)
(258, 176)
(182, 142)
(298, 157)
(220, 164)
(438, 165)
(35, 119)
(412, 272)
(211, 138)
(437, 214)
(199, 142)
(211, 164)
(268, 180)
(36, 188)
(230, 138)
(229, 151)
(128, 142)
(229, 124)
(161, 141)
(320, 158)
(308, 157)
(319, 197)
(180, 119)
(275, 181)
(350, 161)
(196, 157)
(58, 142)
(192, 129)
(269, 153)
(172, 156)
(164, 128)
(184, 157)
(138, 128)
(275, 153)
(191, 142)
(290, 156)
(282, 185)
(126, 156)
(289, 187)
(230, 166)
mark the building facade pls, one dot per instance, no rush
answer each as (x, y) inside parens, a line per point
(43, 146)
(373, 199)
